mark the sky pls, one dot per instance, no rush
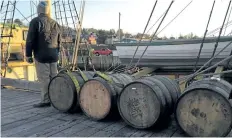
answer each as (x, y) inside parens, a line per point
(104, 14)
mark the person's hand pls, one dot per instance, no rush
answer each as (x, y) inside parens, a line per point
(29, 59)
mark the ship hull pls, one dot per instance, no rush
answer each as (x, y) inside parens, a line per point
(176, 54)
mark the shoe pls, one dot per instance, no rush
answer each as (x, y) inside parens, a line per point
(39, 105)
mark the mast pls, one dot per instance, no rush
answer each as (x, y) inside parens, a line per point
(49, 7)
(119, 30)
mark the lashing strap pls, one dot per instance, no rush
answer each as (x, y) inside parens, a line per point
(83, 75)
(104, 76)
(76, 83)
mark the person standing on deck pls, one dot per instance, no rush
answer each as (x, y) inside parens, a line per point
(44, 40)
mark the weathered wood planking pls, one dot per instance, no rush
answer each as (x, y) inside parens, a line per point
(21, 84)
(20, 130)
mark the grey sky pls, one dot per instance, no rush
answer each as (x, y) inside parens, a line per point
(103, 14)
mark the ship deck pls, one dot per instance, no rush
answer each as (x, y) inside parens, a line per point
(20, 119)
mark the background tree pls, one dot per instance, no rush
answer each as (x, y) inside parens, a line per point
(121, 33)
(181, 36)
(164, 38)
(112, 32)
(128, 35)
(172, 37)
(102, 36)
(18, 21)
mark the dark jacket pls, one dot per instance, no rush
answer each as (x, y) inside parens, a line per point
(44, 39)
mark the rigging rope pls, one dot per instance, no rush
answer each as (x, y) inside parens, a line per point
(228, 20)
(9, 38)
(171, 20)
(207, 69)
(143, 33)
(206, 62)
(216, 45)
(217, 29)
(156, 22)
(175, 17)
(210, 74)
(154, 33)
(203, 40)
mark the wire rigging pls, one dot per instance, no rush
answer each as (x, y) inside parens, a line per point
(143, 33)
(227, 20)
(154, 34)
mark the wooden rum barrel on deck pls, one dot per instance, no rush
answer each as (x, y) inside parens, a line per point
(98, 96)
(146, 101)
(64, 88)
(204, 110)
(103, 63)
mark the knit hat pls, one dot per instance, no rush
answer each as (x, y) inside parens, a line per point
(42, 7)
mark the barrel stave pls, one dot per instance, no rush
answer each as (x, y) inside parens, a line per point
(149, 87)
(165, 92)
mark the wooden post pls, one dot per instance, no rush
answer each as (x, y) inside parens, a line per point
(119, 30)
(74, 49)
(77, 42)
(49, 7)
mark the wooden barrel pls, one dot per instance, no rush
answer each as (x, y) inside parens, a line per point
(147, 101)
(203, 110)
(103, 63)
(63, 90)
(98, 96)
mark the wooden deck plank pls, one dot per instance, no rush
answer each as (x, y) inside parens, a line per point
(28, 101)
(27, 133)
(110, 130)
(142, 133)
(24, 115)
(22, 108)
(26, 127)
(17, 108)
(59, 128)
(68, 132)
(92, 129)
(87, 132)
(22, 84)
(19, 97)
(25, 121)
(179, 133)
(167, 131)
(125, 132)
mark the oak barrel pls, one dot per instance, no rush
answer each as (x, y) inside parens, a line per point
(145, 102)
(62, 91)
(204, 110)
(98, 96)
(103, 63)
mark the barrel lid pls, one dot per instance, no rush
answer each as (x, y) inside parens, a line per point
(139, 105)
(61, 93)
(95, 98)
(204, 111)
